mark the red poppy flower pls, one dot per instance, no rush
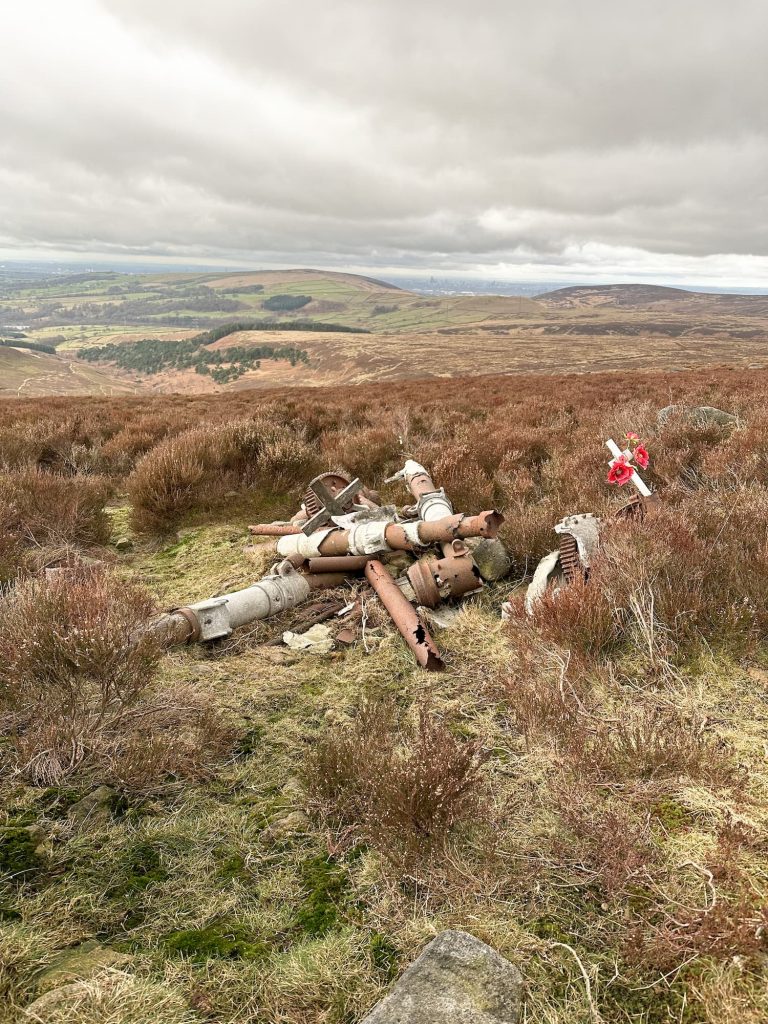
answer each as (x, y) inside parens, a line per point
(632, 436)
(620, 472)
(642, 458)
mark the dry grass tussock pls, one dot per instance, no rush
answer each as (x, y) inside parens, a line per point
(76, 697)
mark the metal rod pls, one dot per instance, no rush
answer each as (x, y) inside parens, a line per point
(404, 616)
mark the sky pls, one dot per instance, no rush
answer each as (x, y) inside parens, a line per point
(563, 140)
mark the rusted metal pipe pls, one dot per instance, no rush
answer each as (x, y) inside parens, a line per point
(378, 537)
(326, 580)
(405, 617)
(274, 529)
(485, 524)
(339, 563)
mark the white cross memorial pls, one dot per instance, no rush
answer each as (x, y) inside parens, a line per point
(636, 479)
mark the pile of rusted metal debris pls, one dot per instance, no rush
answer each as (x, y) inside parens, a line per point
(342, 531)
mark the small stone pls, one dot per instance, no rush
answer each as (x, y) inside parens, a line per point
(124, 544)
(457, 980)
(94, 807)
(442, 618)
(278, 655)
(232, 494)
(397, 563)
(292, 823)
(79, 963)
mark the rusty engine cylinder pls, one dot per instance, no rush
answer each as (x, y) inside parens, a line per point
(436, 579)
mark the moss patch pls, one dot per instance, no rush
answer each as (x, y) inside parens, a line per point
(18, 852)
(219, 941)
(325, 883)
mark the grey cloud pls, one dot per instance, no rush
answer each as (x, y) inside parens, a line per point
(389, 133)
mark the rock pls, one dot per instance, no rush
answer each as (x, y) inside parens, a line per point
(397, 563)
(443, 617)
(110, 995)
(232, 494)
(79, 963)
(278, 655)
(457, 980)
(317, 640)
(292, 823)
(94, 807)
(124, 544)
(700, 415)
(490, 557)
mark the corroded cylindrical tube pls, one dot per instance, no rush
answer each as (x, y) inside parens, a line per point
(405, 617)
(337, 563)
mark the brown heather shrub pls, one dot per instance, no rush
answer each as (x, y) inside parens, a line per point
(193, 470)
(75, 675)
(403, 788)
(731, 928)
(654, 743)
(603, 838)
(39, 509)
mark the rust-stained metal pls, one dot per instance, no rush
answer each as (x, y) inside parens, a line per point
(274, 529)
(372, 538)
(334, 483)
(436, 531)
(405, 617)
(637, 507)
(326, 580)
(437, 579)
(570, 559)
(339, 563)
(330, 498)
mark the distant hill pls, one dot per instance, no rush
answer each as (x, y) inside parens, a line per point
(27, 374)
(657, 298)
(397, 334)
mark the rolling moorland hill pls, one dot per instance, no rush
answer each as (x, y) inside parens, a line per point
(349, 329)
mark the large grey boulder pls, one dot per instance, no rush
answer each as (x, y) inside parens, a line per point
(700, 415)
(457, 980)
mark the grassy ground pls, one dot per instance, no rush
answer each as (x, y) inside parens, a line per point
(236, 902)
(618, 855)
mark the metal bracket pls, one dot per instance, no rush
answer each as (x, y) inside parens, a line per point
(331, 504)
(213, 617)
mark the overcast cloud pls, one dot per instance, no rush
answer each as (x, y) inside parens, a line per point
(513, 139)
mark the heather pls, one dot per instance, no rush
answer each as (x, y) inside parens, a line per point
(280, 834)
